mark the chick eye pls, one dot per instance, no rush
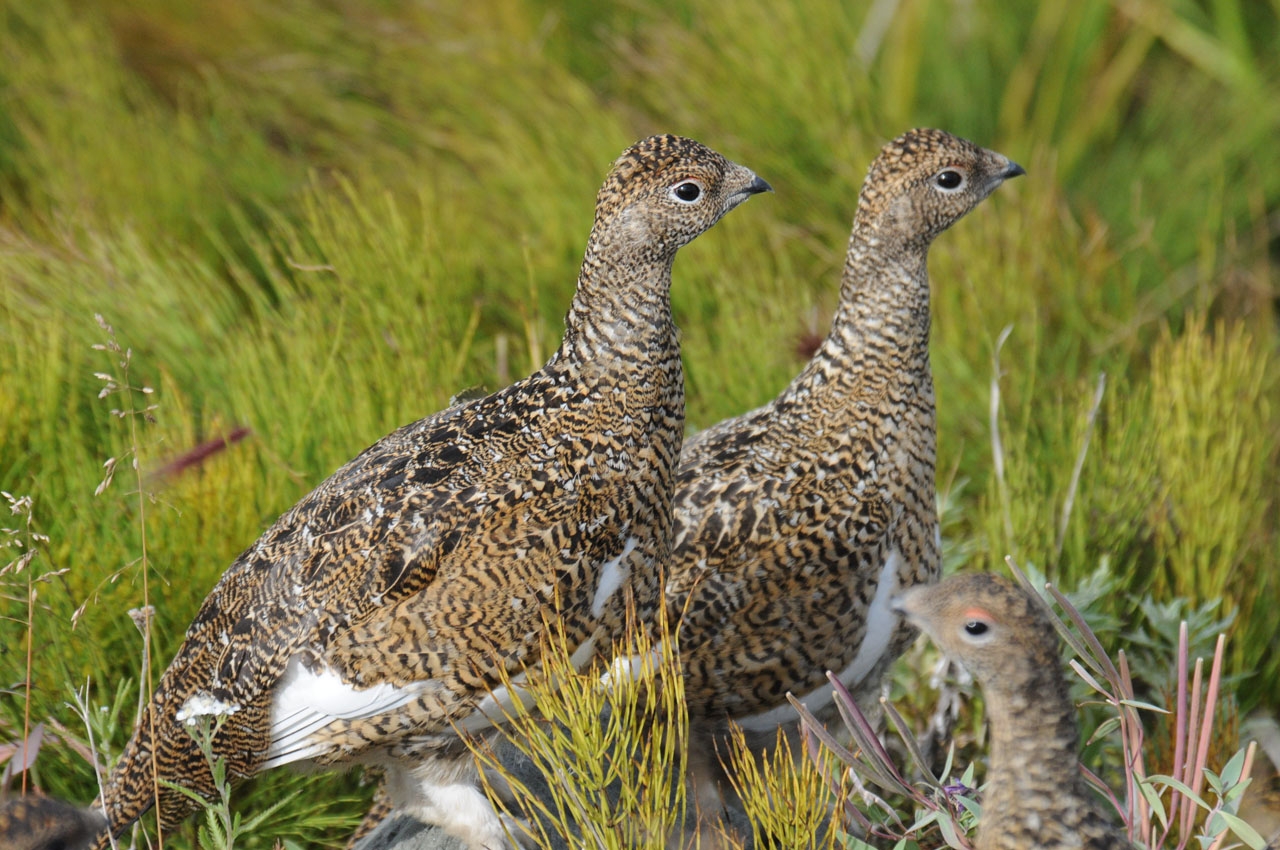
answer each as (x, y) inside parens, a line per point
(975, 627)
(686, 192)
(948, 180)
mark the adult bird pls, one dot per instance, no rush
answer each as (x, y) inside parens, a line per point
(371, 623)
(1035, 796)
(796, 523)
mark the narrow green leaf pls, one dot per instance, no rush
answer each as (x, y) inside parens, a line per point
(1231, 771)
(1243, 830)
(1152, 796)
(1169, 781)
(1104, 729)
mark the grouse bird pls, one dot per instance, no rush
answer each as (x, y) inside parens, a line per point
(796, 523)
(370, 623)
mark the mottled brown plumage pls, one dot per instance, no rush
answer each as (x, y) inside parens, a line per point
(1035, 797)
(795, 523)
(378, 611)
(37, 822)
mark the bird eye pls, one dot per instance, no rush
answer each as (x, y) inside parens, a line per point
(948, 180)
(975, 628)
(686, 192)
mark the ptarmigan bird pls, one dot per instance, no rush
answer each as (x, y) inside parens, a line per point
(372, 619)
(796, 523)
(37, 822)
(1035, 797)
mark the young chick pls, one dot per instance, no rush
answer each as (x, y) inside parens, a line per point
(1035, 797)
(37, 822)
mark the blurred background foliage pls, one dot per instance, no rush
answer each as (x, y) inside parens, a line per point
(319, 219)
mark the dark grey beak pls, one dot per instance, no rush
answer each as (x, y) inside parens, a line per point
(757, 186)
(1014, 170)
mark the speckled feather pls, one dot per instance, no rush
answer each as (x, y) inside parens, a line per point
(37, 822)
(1035, 797)
(431, 560)
(786, 517)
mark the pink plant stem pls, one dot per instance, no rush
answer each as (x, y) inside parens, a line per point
(1210, 703)
(1180, 713)
(1132, 737)
(1193, 729)
(1180, 724)
(881, 754)
(1100, 786)
(1247, 768)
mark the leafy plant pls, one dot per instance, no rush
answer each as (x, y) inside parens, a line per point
(609, 745)
(786, 797)
(222, 826)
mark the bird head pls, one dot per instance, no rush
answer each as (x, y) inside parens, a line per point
(924, 181)
(665, 190)
(987, 623)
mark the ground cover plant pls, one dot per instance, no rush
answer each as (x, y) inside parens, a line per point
(306, 223)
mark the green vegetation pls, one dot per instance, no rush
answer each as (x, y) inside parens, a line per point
(320, 220)
(610, 745)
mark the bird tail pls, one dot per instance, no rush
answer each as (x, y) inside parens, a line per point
(160, 753)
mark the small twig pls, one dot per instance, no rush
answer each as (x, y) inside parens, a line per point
(1132, 740)
(31, 640)
(1069, 502)
(112, 384)
(1193, 741)
(1206, 727)
(997, 447)
(81, 708)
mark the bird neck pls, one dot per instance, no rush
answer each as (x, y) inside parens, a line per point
(1034, 739)
(622, 305)
(881, 328)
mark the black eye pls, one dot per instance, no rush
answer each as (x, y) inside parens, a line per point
(949, 179)
(975, 627)
(687, 191)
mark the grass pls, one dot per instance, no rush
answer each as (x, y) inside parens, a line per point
(607, 748)
(318, 221)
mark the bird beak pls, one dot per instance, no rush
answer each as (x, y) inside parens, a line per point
(750, 185)
(1013, 170)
